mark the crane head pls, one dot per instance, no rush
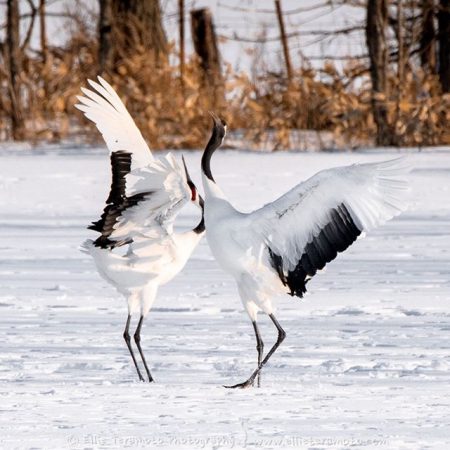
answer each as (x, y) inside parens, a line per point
(220, 126)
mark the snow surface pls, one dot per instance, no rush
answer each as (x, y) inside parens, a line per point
(365, 363)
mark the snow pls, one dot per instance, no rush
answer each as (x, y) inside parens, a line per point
(366, 361)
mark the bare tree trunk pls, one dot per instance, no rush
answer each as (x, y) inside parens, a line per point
(401, 60)
(377, 18)
(138, 23)
(444, 44)
(205, 45)
(43, 32)
(29, 33)
(400, 42)
(14, 68)
(105, 56)
(427, 36)
(181, 23)
(44, 47)
(287, 57)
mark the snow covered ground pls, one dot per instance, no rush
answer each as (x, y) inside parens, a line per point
(366, 362)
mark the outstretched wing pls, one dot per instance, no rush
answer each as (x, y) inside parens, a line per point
(146, 193)
(309, 225)
(143, 203)
(104, 107)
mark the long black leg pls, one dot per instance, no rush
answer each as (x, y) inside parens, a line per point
(281, 336)
(259, 348)
(137, 339)
(126, 336)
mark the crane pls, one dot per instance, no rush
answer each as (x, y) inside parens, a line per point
(137, 250)
(279, 247)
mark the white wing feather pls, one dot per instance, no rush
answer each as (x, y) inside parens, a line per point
(156, 189)
(164, 189)
(373, 193)
(104, 107)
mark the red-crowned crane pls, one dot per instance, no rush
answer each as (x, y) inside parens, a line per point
(137, 249)
(279, 247)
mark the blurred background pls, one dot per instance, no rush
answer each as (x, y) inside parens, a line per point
(309, 75)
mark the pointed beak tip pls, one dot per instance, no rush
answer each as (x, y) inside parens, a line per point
(214, 117)
(218, 121)
(188, 178)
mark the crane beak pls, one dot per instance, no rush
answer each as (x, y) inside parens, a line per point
(196, 197)
(218, 122)
(188, 178)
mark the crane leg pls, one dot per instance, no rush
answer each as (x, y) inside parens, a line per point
(137, 339)
(281, 336)
(259, 349)
(126, 336)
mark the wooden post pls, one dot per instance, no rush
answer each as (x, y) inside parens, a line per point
(377, 19)
(444, 44)
(105, 49)
(181, 22)
(14, 68)
(205, 45)
(287, 57)
(428, 36)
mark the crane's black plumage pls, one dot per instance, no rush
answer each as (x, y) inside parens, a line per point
(336, 236)
(117, 201)
(215, 141)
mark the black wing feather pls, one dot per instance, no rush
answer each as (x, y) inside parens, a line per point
(335, 237)
(117, 201)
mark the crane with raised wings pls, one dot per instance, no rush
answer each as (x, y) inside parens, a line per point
(279, 247)
(136, 249)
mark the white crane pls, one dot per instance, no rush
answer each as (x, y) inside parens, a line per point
(137, 250)
(279, 247)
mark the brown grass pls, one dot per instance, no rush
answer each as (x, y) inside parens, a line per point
(268, 109)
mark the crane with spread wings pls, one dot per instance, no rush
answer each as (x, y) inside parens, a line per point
(137, 249)
(279, 247)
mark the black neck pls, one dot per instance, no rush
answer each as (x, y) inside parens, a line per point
(214, 143)
(200, 228)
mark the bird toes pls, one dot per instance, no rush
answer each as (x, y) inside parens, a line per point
(244, 385)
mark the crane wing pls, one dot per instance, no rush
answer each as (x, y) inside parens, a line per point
(146, 193)
(104, 107)
(309, 225)
(143, 202)
(162, 189)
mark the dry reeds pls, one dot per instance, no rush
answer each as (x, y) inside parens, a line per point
(270, 111)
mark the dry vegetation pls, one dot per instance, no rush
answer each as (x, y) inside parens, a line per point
(268, 109)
